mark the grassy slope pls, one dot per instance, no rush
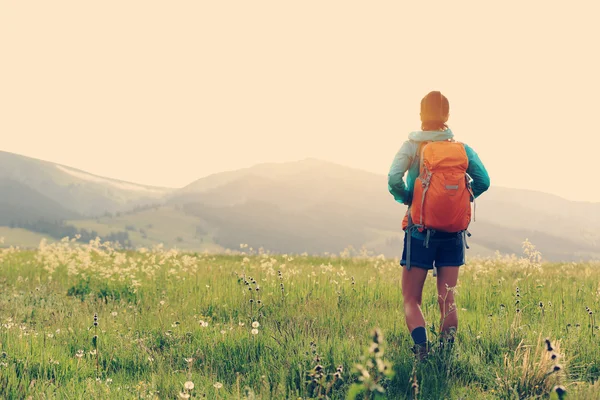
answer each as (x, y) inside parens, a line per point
(146, 331)
(166, 225)
(21, 237)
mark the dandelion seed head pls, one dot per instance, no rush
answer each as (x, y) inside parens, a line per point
(218, 385)
(255, 324)
(189, 385)
(254, 331)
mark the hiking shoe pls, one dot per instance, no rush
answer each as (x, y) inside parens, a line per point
(447, 339)
(421, 351)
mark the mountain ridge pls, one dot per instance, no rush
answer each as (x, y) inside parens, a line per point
(310, 204)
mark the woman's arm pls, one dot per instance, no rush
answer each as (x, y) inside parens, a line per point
(400, 165)
(477, 171)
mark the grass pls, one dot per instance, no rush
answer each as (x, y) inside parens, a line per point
(165, 224)
(21, 237)
(165, 318)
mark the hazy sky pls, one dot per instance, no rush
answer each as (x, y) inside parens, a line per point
(164, 93)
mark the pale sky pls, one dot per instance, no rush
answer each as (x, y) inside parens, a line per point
(163, 93)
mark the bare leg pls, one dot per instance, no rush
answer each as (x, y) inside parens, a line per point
(446, 281)
(412, 291)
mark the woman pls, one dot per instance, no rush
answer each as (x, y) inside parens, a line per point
(444, 251)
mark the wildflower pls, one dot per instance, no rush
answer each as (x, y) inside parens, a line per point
(374, 349)
(255, 324)
(114, 313)
(377, 336)
(79, 354)
(184, 395)
(557, 368)
(223, 332)
(162, 303)
(241, 323)
(189, 385)
(254, 331)
(218, 385)
(203, 323)
(560, 391)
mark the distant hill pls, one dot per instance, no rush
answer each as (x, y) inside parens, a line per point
(305, 206)
(20, 204)
(77, 191)
(316, 205)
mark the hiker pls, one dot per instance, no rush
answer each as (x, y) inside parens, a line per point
(444, 178)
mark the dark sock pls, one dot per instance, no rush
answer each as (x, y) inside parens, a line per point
(419, 335)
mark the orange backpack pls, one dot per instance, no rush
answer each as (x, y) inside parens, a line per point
(442, 192)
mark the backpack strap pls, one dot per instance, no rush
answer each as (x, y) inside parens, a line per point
(409, 230)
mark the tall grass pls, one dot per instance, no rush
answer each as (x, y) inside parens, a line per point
(96, 322)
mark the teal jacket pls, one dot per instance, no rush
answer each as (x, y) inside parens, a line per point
(405, 160)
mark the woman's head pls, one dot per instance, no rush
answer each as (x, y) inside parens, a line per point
(435, 111)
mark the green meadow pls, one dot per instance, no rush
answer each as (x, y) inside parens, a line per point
(96, 322)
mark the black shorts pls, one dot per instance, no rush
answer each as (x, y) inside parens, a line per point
(446, 251)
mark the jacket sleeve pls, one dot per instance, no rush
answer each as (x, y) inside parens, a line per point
(400, 165)
(477, 171)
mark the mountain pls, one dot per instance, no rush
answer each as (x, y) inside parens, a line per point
(312, 205)
(76, 191)
(305, 206)
(20, 204)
